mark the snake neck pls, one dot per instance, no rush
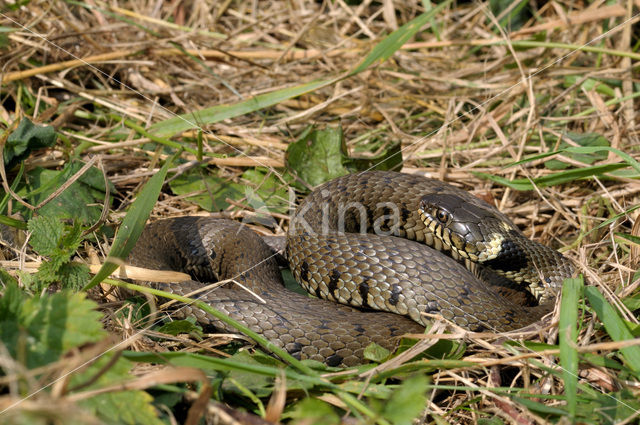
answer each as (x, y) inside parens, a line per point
(525, 261)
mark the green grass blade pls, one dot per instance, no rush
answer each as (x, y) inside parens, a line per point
(568, 335)
(555, 178)
(592, 149)
(394, 41)
(224, 318)
(382, 51)
(615, 326)
(218, 113)
(133, 224)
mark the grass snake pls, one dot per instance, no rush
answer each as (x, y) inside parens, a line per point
(374, 240)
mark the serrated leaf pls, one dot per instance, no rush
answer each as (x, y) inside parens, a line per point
(74, 275)
(408, 401)
(46, 234)
(117, 407)
(52, 324)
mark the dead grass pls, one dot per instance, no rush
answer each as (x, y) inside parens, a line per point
(462, 98)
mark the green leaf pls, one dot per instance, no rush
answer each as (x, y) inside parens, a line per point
(210, 192)
(318, 155)
(26, 138)
(271, 193)
(615, 326)
(133, 224)
(568, 336)
(43, 328)
(376, 353)
(74, 275)
(116, 407)
(313, 411)
(408, 401)
(176, 327)
(81, 201)
(46, 234)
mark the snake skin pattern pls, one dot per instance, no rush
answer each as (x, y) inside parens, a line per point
(401, 270)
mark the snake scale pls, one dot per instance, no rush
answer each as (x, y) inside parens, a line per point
(377, 240)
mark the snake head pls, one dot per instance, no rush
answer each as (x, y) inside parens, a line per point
(469, 230)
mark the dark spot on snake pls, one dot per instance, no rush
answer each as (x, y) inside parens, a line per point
(323, 325)
(334, 360)
(294, 349)
(548, 280)
(405, 213)
(334, 276)
(363, 288)
(396, 290)
(511, 258)
(360, 329)
(304, 271)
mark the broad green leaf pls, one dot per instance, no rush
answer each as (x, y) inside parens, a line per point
(318, 155)
(43, 328)
(176, 327)
(567, 335)
(408, 401)
(312, 410)
(80, 201)
(270, 193)
(133, 224)
(376, 353)
(615, 326)
(116, 407)
(46, 234)
(26, 138)
(210, 192)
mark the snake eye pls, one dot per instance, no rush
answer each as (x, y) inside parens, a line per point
(442, 215)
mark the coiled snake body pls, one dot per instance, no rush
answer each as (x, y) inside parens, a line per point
(373, 240)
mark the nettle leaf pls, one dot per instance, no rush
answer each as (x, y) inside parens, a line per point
(26, 138)
(74, 275)
(43, 328)
(116, 407)
(46, 234)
